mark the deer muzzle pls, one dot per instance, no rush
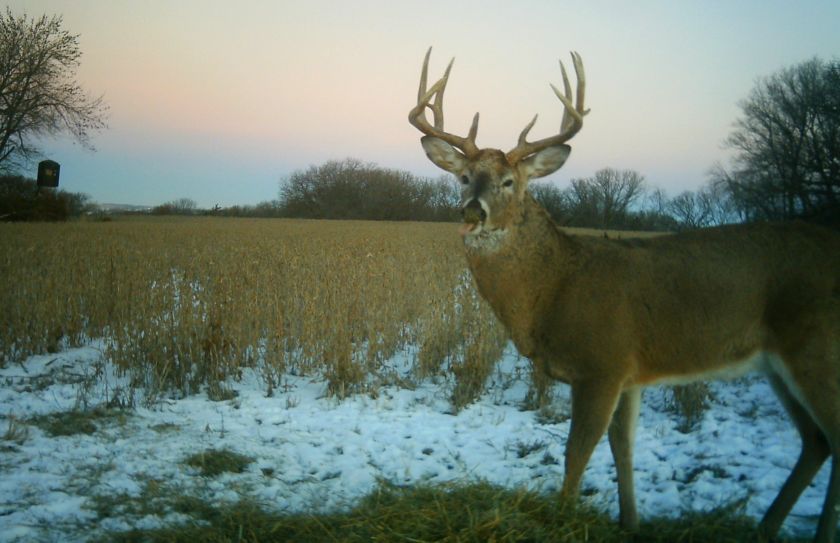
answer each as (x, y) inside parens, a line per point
(473, 212)
(474, 216)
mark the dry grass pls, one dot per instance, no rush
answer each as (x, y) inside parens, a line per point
(185, 304)
(455, 513)
(612, 234)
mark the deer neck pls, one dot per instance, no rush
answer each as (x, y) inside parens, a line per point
(521, 272)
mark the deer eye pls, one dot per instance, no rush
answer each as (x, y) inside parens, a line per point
(508, 182)
(465, 180)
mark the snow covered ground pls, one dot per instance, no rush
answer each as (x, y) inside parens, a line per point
(313, 452)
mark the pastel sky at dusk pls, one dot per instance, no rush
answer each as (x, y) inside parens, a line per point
(219, 101)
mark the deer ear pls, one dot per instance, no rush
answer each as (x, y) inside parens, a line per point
(443, 155)
(544, 162)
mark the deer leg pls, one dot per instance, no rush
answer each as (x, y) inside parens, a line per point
(622, 433)
(593, 404)
(814, 452)
(828, 519)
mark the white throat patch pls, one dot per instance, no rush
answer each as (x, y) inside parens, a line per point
(486, 240)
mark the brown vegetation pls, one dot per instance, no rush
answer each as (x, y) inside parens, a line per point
(184, 303)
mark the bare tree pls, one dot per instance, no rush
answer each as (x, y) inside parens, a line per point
(689, 210)
(185, 206)
(657, 201)
(553, 199)
(606, 198)
(712, 205)
(181, 206)
(351, 189)
(39, 95)
(788, 146)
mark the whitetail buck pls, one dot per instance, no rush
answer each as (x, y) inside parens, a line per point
(609, 317)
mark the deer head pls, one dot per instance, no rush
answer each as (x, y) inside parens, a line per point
(493, 183)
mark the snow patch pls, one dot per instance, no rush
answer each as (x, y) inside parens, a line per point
(315, 453)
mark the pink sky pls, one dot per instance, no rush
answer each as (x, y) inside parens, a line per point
(218, 101)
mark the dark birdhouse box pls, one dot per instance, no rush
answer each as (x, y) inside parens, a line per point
(48, 173)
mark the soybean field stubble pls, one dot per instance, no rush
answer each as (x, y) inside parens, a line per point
(185, 303)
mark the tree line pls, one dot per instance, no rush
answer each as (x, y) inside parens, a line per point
(785, 165)
(351, 189)
(787, 146)
(609, 199)
(22, 200)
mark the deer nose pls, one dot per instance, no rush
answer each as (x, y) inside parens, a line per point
(473, 212)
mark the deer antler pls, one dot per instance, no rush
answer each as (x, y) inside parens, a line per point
(572, 116)
(417, 116)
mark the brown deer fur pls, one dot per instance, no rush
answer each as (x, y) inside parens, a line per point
(611, 316)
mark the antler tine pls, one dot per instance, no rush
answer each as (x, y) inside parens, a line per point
(524, 134)
(417, 115)
(424, 75)
(437, 106)
(564, 124)
(573, 113)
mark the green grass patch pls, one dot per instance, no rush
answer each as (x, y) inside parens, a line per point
(154, 498)
(476, 512)
(213, 462)
(76, 422)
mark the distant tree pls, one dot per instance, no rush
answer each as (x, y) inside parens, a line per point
(184, 206)
(39, 95)
(553, 199)
(351, 189)
(181, 206)
(21, 200)
(787, 144)
(267, 209)
(657, 201)
(444, 197)
(653, 212)
(605, 199)
(611, 199)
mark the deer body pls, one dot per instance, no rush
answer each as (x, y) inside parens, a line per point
(670, 308)
(609, 316)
